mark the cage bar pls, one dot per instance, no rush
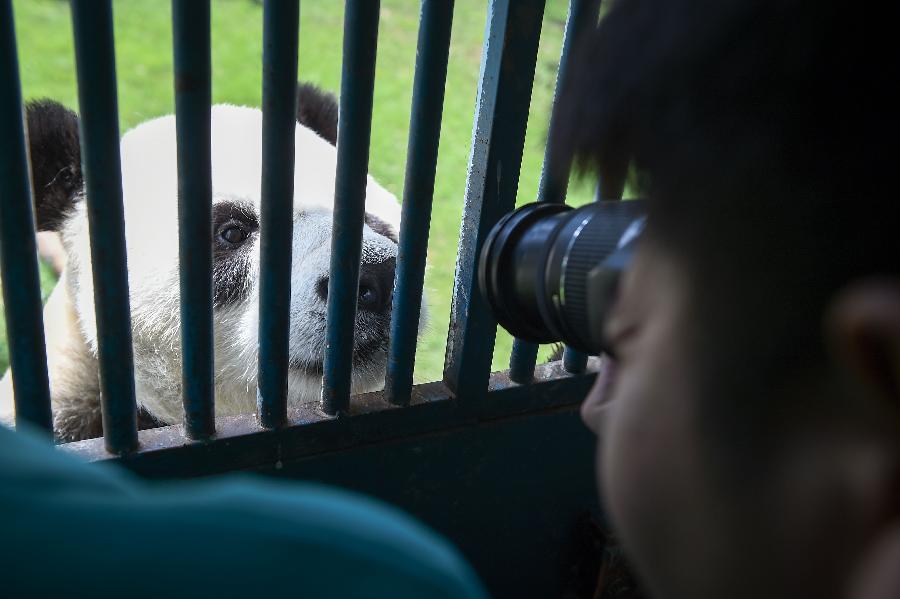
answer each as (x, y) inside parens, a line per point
(99, 126)
(582, 15)
(611, 178)
(504, 95)
(435, 23)
(574, 361)
(18, 252)
(280, 38)
(354, 132)
(610, 187)
(193, 97)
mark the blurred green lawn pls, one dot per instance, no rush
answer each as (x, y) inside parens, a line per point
(144, 59)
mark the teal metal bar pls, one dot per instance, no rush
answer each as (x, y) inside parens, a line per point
(280, 38)
(574, 361)
(611, 181)
(610, 186)
(96, 65)
(504, 94)
(354, 132)
(193, 97)
(435, 23)
(583, 15)
(18, 253)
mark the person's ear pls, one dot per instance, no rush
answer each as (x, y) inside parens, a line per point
(55, 153)
(864, 331)
(863, 326)
(879, 575)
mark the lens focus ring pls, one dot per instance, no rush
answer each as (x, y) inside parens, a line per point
(591, 239)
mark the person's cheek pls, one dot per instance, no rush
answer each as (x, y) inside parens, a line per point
(626, 455)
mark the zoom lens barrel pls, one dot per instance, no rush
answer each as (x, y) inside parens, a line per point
(550, 272)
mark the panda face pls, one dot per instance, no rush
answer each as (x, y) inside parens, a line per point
(149, 179)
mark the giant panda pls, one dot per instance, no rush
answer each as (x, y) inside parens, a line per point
(149, 183)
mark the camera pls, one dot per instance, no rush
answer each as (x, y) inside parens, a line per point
(549, 272)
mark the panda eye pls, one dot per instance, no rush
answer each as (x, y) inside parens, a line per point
(233, 235)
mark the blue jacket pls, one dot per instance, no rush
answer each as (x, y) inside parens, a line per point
(78, 529)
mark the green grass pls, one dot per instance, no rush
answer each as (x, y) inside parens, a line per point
(144, 59)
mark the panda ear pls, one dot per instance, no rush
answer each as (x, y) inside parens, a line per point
(381, 227)
(318, 110)
(53, 144)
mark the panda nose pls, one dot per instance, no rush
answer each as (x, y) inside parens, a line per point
(376, 282)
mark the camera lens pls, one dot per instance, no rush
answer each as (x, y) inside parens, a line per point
(549, 272)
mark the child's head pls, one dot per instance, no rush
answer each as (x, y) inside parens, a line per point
(753, 447)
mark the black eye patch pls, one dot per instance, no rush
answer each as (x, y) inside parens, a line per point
(226, 212)
(233, 224)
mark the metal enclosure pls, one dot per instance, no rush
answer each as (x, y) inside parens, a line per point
(498, 463)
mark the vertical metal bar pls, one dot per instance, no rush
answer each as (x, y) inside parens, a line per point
(574, 361)
(611, 180)
(583, 14)
(193, 96)
(280, 37)
(504, 94)
(96, 65)
(610, 186)
(522, 360)
(18, 253)
(435, 23)
(355, 118)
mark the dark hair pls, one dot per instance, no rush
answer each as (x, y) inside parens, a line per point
(763, 129)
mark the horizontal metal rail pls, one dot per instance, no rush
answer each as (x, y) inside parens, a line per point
(241, 439)
(193, 98)
(96, 65)
(280, 45)
(435, 23)
(354, 133)
(18, 254)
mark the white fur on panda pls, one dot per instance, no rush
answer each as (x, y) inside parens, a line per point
(150, 183)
